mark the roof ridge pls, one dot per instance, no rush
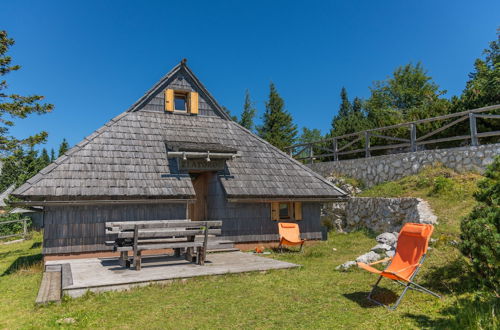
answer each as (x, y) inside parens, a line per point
(182, 65)
(290, 158)
(61, 159)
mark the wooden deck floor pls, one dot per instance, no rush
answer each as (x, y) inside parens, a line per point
(105, 274)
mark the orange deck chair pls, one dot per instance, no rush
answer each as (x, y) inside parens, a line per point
(413, 241)
(289, 235)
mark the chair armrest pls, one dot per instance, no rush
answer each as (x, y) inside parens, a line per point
(380, 261)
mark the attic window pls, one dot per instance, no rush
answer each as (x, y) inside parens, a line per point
(180, 102)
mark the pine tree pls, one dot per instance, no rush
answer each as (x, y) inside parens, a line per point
(52, 155)
(44, 158)
(345, 105)
(357, 105)
(248, 113)
(16, 106)
(483, 87)
(63, 147)
(278, 127)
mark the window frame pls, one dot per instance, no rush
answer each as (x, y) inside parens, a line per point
(184, 95)
(289, 211)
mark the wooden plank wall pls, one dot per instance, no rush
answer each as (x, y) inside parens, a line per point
(181, 82)
(251, 222)
(72, 229)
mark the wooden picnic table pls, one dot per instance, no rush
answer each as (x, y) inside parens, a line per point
(137, 236)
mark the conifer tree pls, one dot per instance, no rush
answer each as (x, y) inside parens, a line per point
(226, 110)
(63, 147)
(52, 155)
(248, 112)
(277, 127)
(345, 105)
(14, 105)
(44, 158)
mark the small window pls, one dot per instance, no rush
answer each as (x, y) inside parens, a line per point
(180, 102)
(285, 210)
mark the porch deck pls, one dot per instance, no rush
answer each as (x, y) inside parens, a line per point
(105, 274)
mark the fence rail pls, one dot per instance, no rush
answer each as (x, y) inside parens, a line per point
(332, 148)
(25, 227)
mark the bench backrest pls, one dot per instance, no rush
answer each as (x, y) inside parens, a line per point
(162, 228)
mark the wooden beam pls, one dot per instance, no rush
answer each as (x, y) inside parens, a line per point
(423, 137)
(351, 143)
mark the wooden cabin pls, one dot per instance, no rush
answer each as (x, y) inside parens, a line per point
(174, 154)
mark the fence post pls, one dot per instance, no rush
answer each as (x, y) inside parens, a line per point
(311, 153)
(367, 144)
(25, 228)
(335, 148)
(473, 129)
(413, 137)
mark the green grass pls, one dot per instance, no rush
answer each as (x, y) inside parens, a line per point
(313, 296)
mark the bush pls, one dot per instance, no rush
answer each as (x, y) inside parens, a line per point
(480, 230)
(442, 185)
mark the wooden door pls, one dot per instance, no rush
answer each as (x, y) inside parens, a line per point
(198, 209)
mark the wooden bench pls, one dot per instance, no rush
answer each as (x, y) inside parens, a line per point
(137, 236)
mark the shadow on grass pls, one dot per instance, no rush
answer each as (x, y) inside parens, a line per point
(466, 313)
(454, 277)
(385, 296)
(36, 245)
(23, 263)
(285, 250)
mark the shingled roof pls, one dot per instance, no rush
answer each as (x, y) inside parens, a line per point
(127, 157)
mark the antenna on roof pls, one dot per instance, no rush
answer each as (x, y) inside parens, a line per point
(184, 61)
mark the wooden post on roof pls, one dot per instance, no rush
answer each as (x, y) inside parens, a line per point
(335, 149)
(413, 137)
(473, 130)
(367, 144)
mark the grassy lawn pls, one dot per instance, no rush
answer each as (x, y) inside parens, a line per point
(313, 296)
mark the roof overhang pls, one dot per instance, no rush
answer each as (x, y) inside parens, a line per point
(286, 199)
(102, 202)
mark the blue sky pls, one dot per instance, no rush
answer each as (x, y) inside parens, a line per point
(93, 59)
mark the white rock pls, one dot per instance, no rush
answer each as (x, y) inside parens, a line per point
(381, 248)
(346, 265)
(390, 253)
(386, 238)
(368, 257)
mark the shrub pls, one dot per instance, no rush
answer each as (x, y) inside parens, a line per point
(442, 185)
(480, 230)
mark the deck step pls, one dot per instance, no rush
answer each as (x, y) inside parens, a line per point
(214, 250)
(50, 288)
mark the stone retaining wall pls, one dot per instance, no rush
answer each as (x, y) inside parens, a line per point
(377, 213)
(378, 169)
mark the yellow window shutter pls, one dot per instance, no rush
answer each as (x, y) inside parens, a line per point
(297, 210)
(275, 211)
(169, 100)
(193, 102)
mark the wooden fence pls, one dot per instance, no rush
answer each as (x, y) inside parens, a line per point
(25, 227)
(332, 148)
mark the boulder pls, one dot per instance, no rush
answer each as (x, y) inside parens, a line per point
(346, 265)
(381, 248)
(390, 253)
(387, 238)
(368, 257)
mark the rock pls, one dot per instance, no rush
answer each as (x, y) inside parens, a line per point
(390, 253)
(66, 320)
(346, 265)
(386, 238)
(368, 257)
(381, 248)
